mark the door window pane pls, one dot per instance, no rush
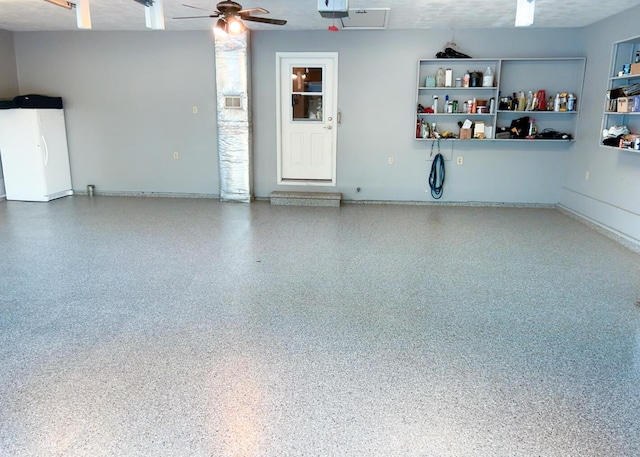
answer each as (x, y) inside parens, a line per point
(307, 96)
(307, 107)
(306, 79)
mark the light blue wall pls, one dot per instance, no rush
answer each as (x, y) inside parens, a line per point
(377, 78)
(128, 104)
(129, 97)
(611, 196)
(8, 73)
(8, 77)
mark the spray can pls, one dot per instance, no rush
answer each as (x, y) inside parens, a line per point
(571, 102)
(434, 105)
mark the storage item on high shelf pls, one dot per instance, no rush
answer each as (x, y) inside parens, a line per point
(440, 77)
(450, 53)
(487, 79)
(615, 131)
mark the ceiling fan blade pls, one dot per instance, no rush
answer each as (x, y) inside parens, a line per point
(253, 10)
(197, 17)
(265, 20)
(196, 7)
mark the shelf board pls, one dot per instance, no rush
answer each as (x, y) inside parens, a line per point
(455, 114)
(635, 151)
(456, 88)
(617, 113)
(622, 78)
(477, 140)
(500, 111)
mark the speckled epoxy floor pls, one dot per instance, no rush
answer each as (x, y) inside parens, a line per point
(187, 327)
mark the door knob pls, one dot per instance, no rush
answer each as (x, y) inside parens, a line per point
(328, 127)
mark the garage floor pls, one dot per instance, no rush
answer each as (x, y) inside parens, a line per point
(190, 327)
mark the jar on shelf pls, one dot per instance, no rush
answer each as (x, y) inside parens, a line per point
(440, 77)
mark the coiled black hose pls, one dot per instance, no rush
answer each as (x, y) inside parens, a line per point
(436, 177)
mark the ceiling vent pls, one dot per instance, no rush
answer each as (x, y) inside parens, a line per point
(362, 19)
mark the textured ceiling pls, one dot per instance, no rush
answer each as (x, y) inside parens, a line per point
(29, 15)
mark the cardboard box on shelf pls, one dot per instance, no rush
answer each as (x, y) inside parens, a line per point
(478, 131)
(465, 134)
(635, 105)
(635, 69)
(624, 104)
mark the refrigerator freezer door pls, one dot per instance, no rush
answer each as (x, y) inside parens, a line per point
(35, 160)
(22, 157)
(53, 143)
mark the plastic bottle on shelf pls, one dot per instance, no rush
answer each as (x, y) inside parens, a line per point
(465, 79)
(487, 79)
(434, 105)
(529, 105)
(571, 102)
(474, 106)
(557, 102)
(440, 77)
(522, 101)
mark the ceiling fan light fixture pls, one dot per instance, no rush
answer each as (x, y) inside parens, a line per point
(235, 26)
(221, 26)
(62, 3)
(525, 11)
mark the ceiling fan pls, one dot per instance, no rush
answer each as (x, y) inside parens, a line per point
(231, 16)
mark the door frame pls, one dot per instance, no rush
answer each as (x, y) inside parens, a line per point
(334, 132)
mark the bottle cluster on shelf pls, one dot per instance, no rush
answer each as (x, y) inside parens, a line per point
(450, 106)
(538, 101)
(446, 78)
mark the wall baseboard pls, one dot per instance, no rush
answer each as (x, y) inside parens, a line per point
(109, 193)
(625, 240)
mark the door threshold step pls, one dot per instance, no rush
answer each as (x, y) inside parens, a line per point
(285, 198)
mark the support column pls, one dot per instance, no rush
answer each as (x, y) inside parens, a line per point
(234, 116)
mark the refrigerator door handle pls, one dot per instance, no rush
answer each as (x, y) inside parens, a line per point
(46, 151)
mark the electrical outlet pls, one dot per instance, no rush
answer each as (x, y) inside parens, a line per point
(586, 176)
(390, 160)
(176, 156)
(460, 160)
(195, 109)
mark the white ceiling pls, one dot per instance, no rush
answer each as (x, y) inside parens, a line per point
(29, 15)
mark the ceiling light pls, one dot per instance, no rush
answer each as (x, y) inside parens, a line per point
(62, 3)
(525, 10)
(235, 26)
(83, 15)
(154, 15)
(221, 26)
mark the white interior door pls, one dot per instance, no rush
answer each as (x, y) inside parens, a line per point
(307, 118)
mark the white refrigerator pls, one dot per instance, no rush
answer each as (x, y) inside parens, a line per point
(34, 153)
